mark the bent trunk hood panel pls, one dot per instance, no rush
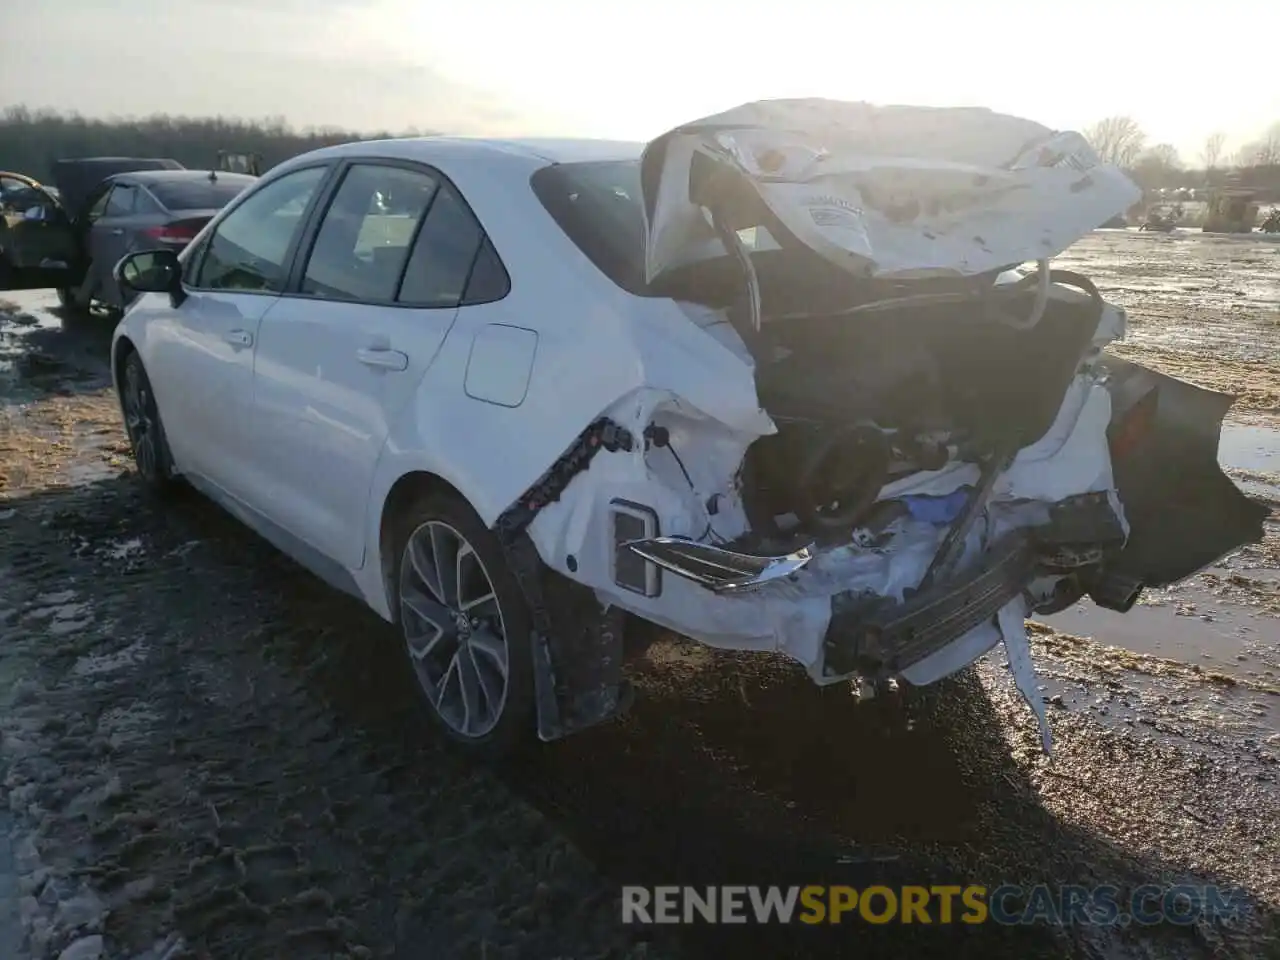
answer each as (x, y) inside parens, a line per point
(894, 192)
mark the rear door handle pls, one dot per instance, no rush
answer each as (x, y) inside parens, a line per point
(118, 232)
(239, 338)
(383, 358)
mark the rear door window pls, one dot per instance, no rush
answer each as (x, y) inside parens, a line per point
(449, 247)
(250, 249)
(144, 204)
(99, 204)
(363, 241)
(122, 200)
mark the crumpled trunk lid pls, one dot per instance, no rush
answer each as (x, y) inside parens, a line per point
(893, 192)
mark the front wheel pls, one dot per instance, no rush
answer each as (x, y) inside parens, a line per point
(465, 626)
(144, 427)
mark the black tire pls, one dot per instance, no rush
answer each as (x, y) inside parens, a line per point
(70, 303)
(144, 427)
(515, 722)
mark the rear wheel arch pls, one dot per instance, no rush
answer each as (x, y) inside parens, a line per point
(119, 353)
(408, 489)
(416, 500)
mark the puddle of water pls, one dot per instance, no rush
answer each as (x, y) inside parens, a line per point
(1183, 711)
(36, 352)
(1190, 624)
(1250, 448)
(1225, 642)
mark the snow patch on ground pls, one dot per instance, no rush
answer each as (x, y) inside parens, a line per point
(124, 549)
(96, 664)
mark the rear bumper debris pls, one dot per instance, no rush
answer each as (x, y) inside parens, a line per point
(883, 637)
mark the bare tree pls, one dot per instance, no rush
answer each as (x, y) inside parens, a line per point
(1157, 166)
(1211, 152)
(1118, 140)
(1163, 155)
(1263, 152)
(31, 137)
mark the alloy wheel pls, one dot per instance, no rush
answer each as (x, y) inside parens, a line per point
(454, 629)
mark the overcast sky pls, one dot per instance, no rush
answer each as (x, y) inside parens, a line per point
(609, 68)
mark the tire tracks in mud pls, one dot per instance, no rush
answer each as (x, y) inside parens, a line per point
(204, 741)
(218, 745)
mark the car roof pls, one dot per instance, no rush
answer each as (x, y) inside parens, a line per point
(179, 176)
(548, 150)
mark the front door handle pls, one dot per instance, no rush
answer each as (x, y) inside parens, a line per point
(239, 338)
(384, 358)
(118, 232)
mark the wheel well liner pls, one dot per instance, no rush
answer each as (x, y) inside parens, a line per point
(407, 488)
(123, 347)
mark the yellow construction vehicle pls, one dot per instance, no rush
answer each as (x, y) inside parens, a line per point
(230, 162)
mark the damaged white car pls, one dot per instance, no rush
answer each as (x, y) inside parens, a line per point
(773, 381)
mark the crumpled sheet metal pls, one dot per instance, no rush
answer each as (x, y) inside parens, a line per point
(1013, 629)
(887, 191)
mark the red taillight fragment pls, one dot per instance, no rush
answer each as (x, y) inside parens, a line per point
(1127, 433)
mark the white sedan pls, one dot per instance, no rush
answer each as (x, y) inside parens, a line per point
(771, 381)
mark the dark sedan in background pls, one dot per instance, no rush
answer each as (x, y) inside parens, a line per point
(107, 207)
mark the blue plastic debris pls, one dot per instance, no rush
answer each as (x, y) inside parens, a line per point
(938, 510)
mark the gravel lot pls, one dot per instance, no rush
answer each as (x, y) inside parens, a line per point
(204, 752)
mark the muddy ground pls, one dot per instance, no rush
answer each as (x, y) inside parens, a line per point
(204, 752)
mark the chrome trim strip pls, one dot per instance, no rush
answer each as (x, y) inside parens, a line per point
(718, 569)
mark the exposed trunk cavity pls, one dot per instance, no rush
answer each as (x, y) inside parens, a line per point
(863, 401)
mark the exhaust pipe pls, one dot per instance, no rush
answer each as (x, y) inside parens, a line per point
(1116, 591)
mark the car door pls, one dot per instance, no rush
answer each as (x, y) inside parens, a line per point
(37, 241)
(110, 233)
(200, 353)
(343, 352)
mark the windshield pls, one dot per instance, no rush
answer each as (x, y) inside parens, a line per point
(202, 194)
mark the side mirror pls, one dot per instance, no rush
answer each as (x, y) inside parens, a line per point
(151, 271)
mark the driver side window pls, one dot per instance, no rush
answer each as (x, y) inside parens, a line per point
(249, 250)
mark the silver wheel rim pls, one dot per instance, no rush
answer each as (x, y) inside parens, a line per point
(453, 628)
(138, 421)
